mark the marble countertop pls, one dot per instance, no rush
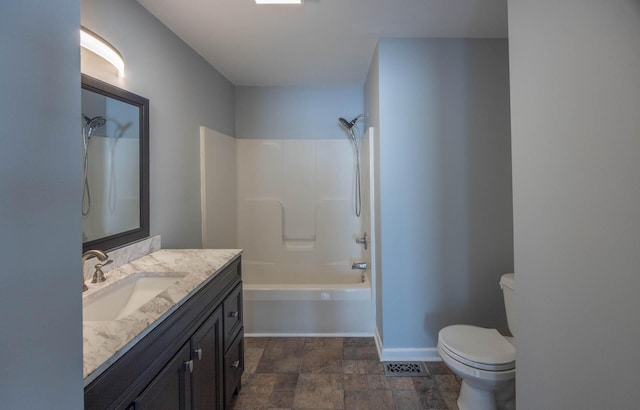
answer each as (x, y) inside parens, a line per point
(105, 342)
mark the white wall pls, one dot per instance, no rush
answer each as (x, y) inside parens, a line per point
(184, 91)
(575, 98)
(445, 185)
(372, 104)
(218, 179)
(295, 205)
(40, 228)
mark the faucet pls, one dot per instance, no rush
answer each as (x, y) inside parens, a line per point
(359, 265)
(363, 241)
(90, 254)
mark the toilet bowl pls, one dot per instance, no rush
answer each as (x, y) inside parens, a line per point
(482, 358)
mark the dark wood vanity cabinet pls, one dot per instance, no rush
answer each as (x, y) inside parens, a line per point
(192, 360)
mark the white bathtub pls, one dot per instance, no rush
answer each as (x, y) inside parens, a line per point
(326, 304)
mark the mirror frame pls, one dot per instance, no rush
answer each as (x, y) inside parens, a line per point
(111, 91)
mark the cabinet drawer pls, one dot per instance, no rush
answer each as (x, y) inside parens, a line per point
(233, 368)
(232, 311)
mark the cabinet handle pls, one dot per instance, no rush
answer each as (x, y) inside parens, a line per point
(233, 314)
(198, 353)
(189, 366)
(236, 364)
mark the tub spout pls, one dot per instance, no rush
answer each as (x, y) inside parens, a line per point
(359, 265)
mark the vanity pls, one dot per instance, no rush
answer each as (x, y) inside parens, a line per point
(164, 329)
(181, 347)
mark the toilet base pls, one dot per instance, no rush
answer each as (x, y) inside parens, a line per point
(473, 398)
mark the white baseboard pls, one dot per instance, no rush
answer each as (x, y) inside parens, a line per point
(411, 354)
(308, 334)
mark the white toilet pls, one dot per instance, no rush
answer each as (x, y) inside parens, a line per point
(483, 358)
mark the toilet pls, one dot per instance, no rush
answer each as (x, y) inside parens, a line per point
(483, 358)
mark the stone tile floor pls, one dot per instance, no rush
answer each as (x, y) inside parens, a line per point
(335, 373)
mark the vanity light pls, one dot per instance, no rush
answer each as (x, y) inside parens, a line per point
(278, 1)
(96, 44)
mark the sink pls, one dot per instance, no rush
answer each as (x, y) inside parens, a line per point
(127, 295)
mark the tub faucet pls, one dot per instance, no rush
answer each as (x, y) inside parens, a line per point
(90, 254)
(363, 241)
(359, 265)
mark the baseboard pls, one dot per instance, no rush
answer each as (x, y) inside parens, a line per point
(378, 339)
(412, 354)
(308, 335)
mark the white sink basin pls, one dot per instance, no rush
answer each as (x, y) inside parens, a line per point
(127, 295)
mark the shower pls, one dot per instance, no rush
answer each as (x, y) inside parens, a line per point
(356, 140)
(88, 128)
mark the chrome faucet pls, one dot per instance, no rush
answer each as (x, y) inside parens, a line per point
(359, 265)
(90, 254)
(363, 241)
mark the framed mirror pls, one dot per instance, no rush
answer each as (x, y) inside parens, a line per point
(115, 165)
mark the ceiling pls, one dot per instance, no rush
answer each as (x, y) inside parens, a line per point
(323, 42)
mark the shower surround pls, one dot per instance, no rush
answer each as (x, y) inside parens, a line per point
(297, 226)
(295, 205)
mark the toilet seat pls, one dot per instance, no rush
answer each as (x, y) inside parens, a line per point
(478, 347)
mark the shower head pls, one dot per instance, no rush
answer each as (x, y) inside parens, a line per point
(348, 125)
(95, 122)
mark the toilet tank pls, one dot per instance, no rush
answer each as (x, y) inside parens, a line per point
(507, 283)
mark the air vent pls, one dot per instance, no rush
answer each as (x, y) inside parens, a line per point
(404, 369)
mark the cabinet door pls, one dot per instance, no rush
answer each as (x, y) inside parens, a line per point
(207, 358)
(171, 388)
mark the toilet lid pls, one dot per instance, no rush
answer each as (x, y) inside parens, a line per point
(478, 347)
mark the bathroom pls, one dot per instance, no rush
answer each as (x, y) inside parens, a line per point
(161, 68)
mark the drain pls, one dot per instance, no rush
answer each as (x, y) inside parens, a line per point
(404, 369)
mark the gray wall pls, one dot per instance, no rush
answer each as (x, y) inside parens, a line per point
(184, 92)
(40, 227)
(575, 94)
(295, 112)
(445, 186)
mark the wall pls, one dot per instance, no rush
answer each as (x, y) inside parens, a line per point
(372, 103)
(445, 187)
(295, 112)
(296, 176)
(218, 173)
(576, 141)
(40, 235)
(295, 205)
(184, 92)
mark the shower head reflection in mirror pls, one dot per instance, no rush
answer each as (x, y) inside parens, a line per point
(89, 127)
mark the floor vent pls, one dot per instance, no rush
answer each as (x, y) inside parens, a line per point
(404, 369)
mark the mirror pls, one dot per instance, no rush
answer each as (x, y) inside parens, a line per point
(115, 165)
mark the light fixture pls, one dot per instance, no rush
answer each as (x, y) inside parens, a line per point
(278, 1)
(96, 44)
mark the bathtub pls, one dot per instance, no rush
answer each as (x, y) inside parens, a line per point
(281, 304)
